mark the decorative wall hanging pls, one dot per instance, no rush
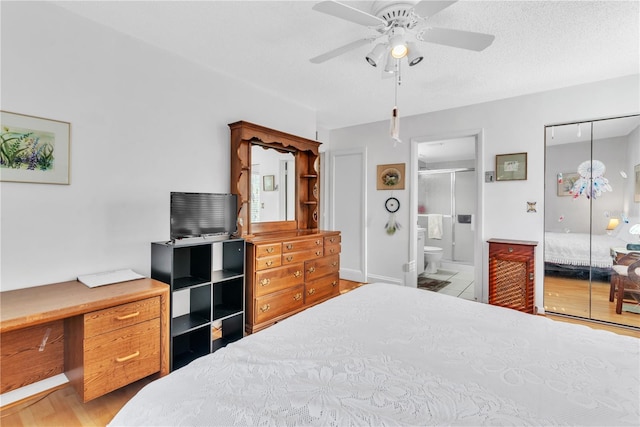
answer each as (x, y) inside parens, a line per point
(391, 177)
(267, 183)
(566, 180)
(392, 205)
(510, 167)
(531, 207)
(34, 149)
(592, 182)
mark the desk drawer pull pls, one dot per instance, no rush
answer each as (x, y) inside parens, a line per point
(297, 273)
(289, 258)
(289, 246)
(128, 316)
(311, 270)
(334, 283)
(265, 282)
(312, 291)
(318, 242)
(269, 263)
(265, 308)
(270, 249)
(334, 263)
(297, 297)
(129, 357)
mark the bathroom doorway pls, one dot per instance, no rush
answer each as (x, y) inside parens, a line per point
(446, 214)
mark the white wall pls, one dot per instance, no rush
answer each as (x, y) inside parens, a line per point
(510, 126)
(143, 123)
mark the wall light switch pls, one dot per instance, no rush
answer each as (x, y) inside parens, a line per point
(489, 176)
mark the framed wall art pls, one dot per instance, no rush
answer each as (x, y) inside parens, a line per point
(267, 182)
(391, 177)
(565, 182)
(511, 167)
(34, 149)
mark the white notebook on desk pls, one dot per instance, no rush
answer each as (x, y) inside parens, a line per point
(109, 277)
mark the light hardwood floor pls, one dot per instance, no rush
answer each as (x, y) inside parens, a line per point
(64, 408)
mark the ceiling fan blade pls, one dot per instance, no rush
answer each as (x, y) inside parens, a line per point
(339, 51)
(348, 13)
(457, 38)
(427, 8)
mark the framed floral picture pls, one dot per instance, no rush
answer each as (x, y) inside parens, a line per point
(391, 177)
(565, 181)
(510, 167)
(34, 149)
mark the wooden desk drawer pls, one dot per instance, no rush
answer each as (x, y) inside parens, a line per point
(321, 289)
(321, 267)
(332, 249)
(332, 240)
(276, 279)
(277, 304)
(268, 249)
(99, 322)
(302, 245)
(120, 357)
(302, 256)
(268, 262)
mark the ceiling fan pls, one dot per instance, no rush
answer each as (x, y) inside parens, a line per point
(400, 23)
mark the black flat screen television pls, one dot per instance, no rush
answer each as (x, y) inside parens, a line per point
(205, 215)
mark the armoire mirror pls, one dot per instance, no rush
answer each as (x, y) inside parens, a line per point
(592, 174)
(276, 177)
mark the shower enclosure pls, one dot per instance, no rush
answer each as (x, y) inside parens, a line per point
(446, 209)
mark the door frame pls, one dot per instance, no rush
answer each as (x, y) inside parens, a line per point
(480, 279)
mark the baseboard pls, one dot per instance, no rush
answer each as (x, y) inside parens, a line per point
(32, 391)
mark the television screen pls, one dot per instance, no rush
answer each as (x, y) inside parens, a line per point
(202, 215)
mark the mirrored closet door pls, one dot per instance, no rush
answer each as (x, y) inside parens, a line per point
(592, 174)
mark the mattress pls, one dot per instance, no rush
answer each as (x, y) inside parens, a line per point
(580, 249)
(385, 354)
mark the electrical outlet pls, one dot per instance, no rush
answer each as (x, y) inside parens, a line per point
(489, 176)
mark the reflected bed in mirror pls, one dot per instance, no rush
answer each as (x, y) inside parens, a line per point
(272, 184)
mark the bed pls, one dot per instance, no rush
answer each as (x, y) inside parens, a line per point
(385, 354)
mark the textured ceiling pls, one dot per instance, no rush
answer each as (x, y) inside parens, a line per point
(539, 45)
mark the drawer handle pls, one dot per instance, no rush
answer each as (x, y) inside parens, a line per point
(265, 308)
(270, 250)
(318, 253)
(265, 282)
(297, 297)
(311, 270)
(334, 263)
(129, 357)
(128, 316)
(289, 246)
(332, 250)
(269, 263)
(318, 242)
(312, 291)
(334, 283)
(298, 273)
(290, 258)
(332, 239)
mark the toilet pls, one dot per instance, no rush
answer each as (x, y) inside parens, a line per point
(432, 257)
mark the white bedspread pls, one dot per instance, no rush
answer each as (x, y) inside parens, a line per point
(576, 249)
(389, 355)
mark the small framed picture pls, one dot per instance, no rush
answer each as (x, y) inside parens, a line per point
(391, 177)
(565, 182)
(511, 167)
(267, 182)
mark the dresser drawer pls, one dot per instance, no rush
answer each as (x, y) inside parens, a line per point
(277, 304)
(294, 257)
(120, 357)
(268, 249)
(99, 322)
(332, 240)
(276, 279)
(332, 250)
(268, 262)
(321, 267)
(320, 289)
(302, 245)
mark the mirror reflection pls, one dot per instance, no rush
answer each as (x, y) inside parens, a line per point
(272, 184)
(590, 208)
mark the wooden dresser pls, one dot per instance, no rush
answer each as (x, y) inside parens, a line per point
(288, 272)
(102, 338)
(512, 274)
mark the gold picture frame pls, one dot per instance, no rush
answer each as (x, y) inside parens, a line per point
(34, 149)
(391, 177)
(511, 167)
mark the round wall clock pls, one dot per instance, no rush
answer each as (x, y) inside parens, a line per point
(392, 205)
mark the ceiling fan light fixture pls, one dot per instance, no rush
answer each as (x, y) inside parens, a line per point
(414, 56)
(377, 54)
(398, 46)
(390, 66)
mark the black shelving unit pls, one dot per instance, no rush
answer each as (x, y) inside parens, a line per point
(215, 316)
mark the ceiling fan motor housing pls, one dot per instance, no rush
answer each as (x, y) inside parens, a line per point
(398, 15)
